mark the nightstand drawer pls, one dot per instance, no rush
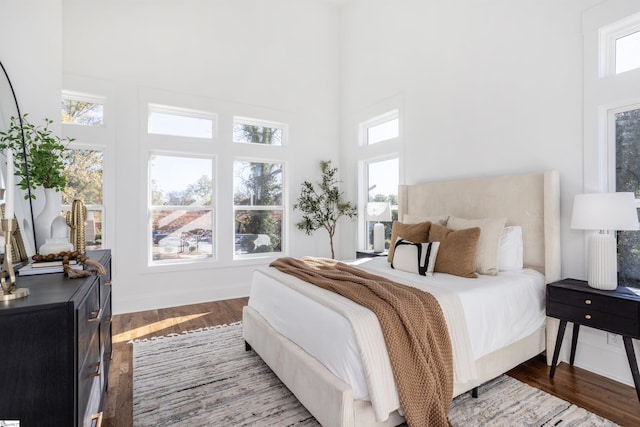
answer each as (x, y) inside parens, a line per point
(621, 307)
(587, 316)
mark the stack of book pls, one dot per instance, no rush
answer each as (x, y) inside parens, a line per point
(44, 267)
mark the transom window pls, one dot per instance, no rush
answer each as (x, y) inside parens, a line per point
(620, 46)
(628, 52)
(252, 131)
(80, 109)
(382, 128)
(182, 208)
(258, 207)
(174, 121)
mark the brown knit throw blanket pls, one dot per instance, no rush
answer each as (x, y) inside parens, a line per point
(414, 330)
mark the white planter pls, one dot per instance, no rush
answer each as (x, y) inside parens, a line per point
(52, 210)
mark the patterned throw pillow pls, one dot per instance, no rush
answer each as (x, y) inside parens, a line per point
(415, 257)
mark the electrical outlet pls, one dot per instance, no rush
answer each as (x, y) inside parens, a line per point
(614, 339)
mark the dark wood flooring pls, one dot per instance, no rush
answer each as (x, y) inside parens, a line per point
(610, 399)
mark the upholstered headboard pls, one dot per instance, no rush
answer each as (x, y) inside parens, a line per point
(530, 201)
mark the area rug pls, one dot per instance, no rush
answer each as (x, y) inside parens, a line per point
(206, 378)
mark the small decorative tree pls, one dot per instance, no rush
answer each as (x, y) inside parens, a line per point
(323, 208)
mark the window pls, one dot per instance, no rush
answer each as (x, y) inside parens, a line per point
(251, 131)
(84, 182)
(383, 128)
(627, 147)
(182, 209)
(382, 185)
(258, 207)
(165, 120)
(86, 110)
(628, 52)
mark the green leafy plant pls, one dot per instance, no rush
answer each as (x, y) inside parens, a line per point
(323, 208)
(46, 155)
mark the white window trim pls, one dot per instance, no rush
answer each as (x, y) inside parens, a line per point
(363, 127)
(607, 44)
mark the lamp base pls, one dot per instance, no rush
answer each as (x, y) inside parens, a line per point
(603, 263)
(378, 237)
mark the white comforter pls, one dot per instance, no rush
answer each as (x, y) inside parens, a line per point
(483, 315)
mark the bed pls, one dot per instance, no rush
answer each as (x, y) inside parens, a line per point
(335, 392)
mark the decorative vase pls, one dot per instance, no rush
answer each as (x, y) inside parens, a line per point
(44, 221)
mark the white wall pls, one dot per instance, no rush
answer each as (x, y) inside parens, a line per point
(236, 56)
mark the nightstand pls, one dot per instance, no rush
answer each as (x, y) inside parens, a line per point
(616, 311)
(370, 254)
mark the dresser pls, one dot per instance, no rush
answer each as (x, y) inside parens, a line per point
(55, 349)
(616, 311)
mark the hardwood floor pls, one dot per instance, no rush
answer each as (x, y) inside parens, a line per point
(612, 400)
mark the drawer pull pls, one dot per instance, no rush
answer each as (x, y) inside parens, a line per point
(587, 316)
(96, 420)
(588, 302)
(95, 315)
(107, 283)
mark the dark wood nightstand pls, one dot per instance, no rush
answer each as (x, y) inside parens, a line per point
(616, 311)
(370, 254)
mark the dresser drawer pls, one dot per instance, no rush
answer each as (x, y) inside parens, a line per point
(88, 375)
(621, 307)
(594, 318)
(89, 316)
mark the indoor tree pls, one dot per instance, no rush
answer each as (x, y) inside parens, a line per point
(324, 207)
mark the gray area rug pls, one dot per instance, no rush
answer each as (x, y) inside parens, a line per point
(206, 378)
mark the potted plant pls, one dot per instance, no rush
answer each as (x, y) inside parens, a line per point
(40, 162)
(323, 208)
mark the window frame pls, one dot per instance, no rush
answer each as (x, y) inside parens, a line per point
(151, 208)
(282, 208)
(89, 98)
(181, 112)
(608, 35)
(284, 128)
(363, 127)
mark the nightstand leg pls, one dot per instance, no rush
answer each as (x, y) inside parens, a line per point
(574, 342)
(633, 364)
(556, 352)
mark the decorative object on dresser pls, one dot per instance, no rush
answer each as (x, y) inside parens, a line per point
(56, 349)
(323, 208)
(604, 212)
(9, 289)
(377, 212)
(616, 311)
(39, 158)
(76, 219)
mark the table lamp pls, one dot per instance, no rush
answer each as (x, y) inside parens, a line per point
(603, 212)
(378, 211)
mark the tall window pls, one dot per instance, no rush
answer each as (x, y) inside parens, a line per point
(627, 147)
(84, 174)
(382, 185)
(258, 207)
(182, 209)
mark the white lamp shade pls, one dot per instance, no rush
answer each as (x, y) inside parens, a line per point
(378, 211)
(605, 211)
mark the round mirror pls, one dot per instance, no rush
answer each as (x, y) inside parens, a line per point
(25, 238)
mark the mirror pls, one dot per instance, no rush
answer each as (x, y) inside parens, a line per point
(25, 239)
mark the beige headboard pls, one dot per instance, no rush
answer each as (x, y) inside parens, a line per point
(531, 201)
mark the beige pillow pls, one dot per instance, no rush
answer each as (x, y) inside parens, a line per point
(414, 219)
(489, 242)
(457, 251)
(416, 233)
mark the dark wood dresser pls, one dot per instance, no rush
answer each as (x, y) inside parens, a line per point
(55, 349)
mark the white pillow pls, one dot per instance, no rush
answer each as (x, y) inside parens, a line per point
(488, 243)
(510, 253)
(415, 257)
